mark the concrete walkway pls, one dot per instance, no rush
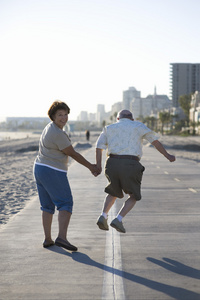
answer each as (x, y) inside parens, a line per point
(158, 257)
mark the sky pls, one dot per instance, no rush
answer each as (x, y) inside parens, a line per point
(87, 52)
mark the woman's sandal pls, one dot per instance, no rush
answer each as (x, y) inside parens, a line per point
(48, 244)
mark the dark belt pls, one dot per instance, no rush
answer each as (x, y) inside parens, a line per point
(125, 156)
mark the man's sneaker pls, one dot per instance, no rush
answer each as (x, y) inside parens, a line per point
(102, 223)
(118, 225)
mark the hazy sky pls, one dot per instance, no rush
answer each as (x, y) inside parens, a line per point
(86, 52)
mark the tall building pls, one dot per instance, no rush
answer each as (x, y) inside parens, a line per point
(195, 107)
(83, 116)
(128, 96)
(185, 79)
(150, 106)
(116, 107)
(100, 113)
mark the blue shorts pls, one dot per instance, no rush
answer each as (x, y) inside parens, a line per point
(53, 189)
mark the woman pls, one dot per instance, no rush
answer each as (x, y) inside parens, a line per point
(50, 171)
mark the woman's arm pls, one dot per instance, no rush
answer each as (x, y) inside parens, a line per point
(80, 159)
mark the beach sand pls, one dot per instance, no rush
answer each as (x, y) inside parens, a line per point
(17, 184)
(183, 147)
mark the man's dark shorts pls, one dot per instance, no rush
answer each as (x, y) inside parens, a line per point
(124, 175)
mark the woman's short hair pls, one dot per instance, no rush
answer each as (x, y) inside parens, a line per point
(56, 105)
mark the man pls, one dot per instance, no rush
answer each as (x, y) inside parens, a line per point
(123, 141)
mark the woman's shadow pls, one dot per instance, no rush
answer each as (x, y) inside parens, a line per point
(172, 291)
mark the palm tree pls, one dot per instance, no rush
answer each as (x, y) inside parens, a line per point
(151, 122)
(164, 117)
(185, 103)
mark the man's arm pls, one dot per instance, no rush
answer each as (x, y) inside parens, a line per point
(163, 151)
(99, 158)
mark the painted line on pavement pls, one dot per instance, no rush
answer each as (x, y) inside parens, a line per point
(166, 172)
(113, 286)
(176, 179)
(192, 190)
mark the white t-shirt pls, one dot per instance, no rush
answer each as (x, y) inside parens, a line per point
(125, 137)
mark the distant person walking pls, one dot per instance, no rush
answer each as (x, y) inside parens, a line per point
(87, 134)
(50, 170)
(123, 141)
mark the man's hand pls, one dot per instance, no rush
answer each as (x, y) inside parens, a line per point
(95, 170)
(171, 158)
(163, 151)
(99, 167)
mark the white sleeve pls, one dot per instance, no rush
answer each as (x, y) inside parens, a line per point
(102, 140)
(151, 136)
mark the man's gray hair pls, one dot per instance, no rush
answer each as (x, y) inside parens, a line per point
(125, 114)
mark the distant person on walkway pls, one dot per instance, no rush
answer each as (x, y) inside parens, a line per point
(50, 171)
(87, 134)
(123, 141)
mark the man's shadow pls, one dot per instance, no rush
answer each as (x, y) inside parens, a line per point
(172, 291)
(176, 267)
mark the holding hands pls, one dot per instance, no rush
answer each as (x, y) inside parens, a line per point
(95, 170)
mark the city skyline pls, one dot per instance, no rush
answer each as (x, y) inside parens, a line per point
(88, 52)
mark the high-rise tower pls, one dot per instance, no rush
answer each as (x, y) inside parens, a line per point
(128, 96)
(185, 79)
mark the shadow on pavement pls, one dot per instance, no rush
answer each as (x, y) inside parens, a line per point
(176, 267)
(172, 291)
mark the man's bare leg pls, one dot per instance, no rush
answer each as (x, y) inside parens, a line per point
(108, 203)
(102, 220)
(128, 205)
(117, 222)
